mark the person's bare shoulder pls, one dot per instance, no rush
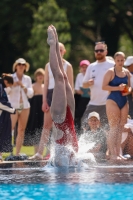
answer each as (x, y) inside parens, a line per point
(46, 66)
(68, 64)
(111, 70)
(110, 73)
(126, 70)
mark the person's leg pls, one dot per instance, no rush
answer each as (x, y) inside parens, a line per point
(45, 132)
(103, 117)
(67, 139)
(47, 125)
(58, 106)
(14, 119)
(69, 92)
(113, 114)
(123, 121)
(59, 103)
(22, 122)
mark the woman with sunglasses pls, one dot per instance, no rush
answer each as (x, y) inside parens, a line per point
(117, 82)
(18, 97)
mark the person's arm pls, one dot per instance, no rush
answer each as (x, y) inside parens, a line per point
(28, 90)
(7, 108)
(129, 83)
(45, 106)
(88, 80)
(77, 85)
(107, 78)
(70, 75)
(34, 88)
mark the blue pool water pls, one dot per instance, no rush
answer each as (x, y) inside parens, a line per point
(102, 182)
(67, 191)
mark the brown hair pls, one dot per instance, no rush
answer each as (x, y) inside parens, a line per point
(8, 78)
(119, 53)
(105, 45)
(38, 72)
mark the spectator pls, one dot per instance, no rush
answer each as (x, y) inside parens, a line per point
(18, 97)
(117, 82)
(93, 79)
(127, 139)
(47, 99)
(5, 120)
(83, 92)
(129, 65)
(94, 139)
(36, 117)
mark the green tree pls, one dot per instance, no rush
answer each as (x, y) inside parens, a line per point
(47, 13)
(16, 22)
(96, 20)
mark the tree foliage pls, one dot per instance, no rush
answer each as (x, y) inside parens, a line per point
(96, 20)
(15, 26)
(47, 13)
(79, 24)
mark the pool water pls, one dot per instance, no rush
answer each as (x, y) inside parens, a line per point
(98, 182)
(66, 191)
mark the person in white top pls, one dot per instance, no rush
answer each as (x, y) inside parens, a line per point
(93, 79)
(18, 97)
(47, 99)
(82, 95)
(129, 65)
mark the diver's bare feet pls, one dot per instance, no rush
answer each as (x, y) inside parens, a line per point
(56, 38)
(55, 33)
(51, 37)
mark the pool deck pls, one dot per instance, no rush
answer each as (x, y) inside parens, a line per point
(42, 163)
(23, 163)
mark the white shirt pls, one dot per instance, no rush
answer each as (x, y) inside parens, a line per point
(79, 81)
(51, 78)
(97, 71)
(131, 80)
(14, 93)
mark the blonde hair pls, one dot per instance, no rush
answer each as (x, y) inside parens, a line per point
(61, 44)
(119, 53)
(39, 71)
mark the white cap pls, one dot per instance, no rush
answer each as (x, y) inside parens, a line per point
(94, 114)
(128, 61)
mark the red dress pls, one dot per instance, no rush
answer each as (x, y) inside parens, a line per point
(69, 136)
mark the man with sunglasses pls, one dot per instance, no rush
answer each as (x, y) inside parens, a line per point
(93, 79)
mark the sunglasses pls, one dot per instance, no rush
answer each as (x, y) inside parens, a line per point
(99, 50)
(21, 64)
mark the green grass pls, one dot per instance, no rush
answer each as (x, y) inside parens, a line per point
(28, 150)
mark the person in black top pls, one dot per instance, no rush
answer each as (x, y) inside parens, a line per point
(5, 120)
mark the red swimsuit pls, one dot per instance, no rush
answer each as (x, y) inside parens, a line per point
(69, 136)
